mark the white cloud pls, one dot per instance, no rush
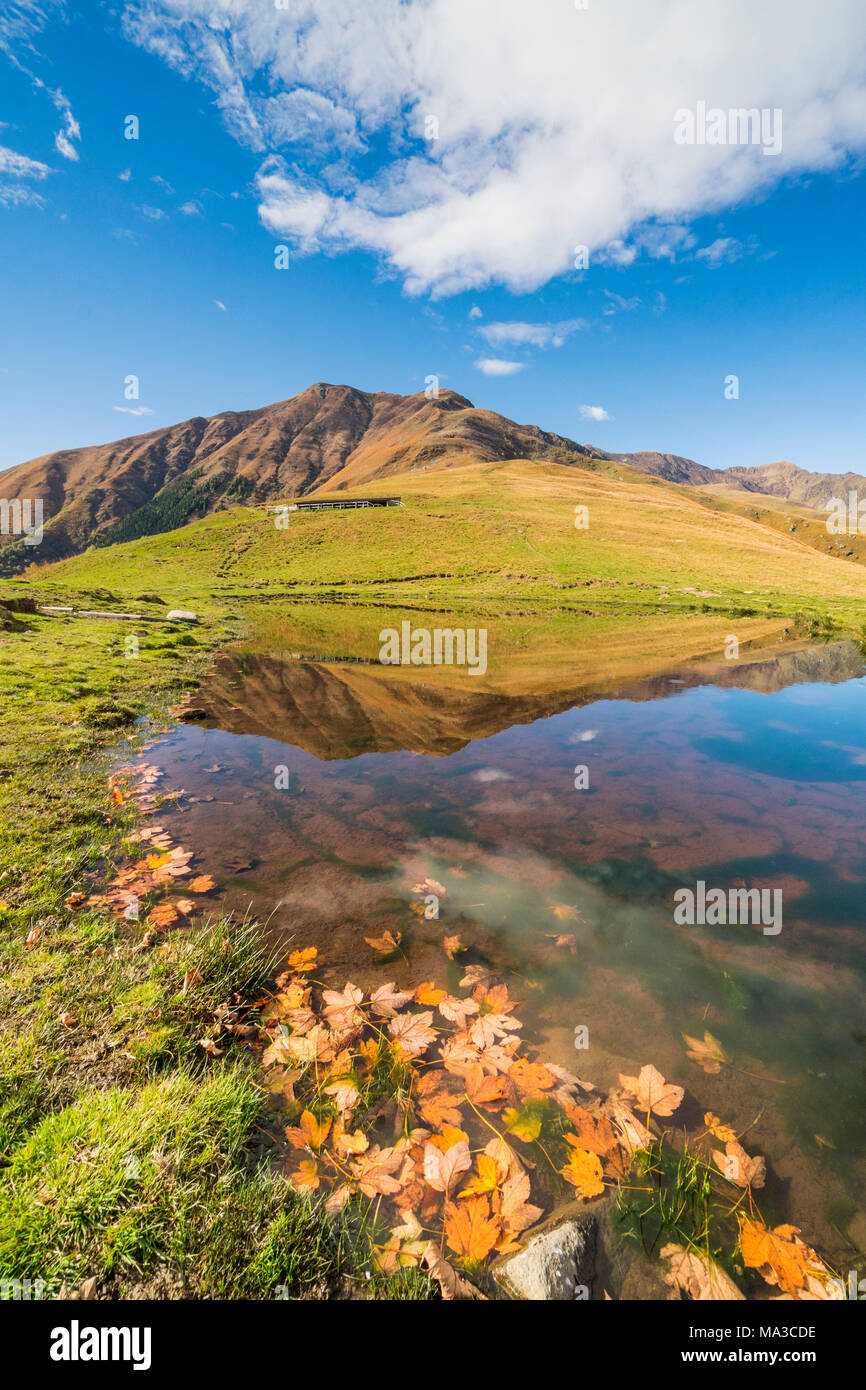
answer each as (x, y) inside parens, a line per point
(475, 312)
(154, 214)
(20, 166)
(15, 171)
(594, 412)
(220, 305)
(496, 366)
(552, 133)
(530, 334)
(132, 410)
(190, 209)
(125, 175)
(721, 252)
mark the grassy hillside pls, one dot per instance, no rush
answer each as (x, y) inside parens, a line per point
(493, 531)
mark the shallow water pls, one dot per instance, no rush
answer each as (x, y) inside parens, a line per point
(391, 779)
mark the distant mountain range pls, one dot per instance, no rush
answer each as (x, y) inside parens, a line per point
(327, 437)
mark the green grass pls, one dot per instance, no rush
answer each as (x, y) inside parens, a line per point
(488, 532)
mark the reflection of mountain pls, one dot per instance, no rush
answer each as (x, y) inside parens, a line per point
(342, 710)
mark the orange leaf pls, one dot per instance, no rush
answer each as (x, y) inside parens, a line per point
(303, 960)
(203, 884)
(583, 1171)
(469, 1229)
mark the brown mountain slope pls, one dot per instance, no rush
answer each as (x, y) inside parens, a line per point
(328, 435)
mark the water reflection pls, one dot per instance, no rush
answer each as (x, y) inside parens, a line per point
(319, 793)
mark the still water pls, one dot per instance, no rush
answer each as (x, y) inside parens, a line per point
(561, 825)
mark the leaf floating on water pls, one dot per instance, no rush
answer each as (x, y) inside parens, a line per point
(413, 1032)
(162, 916)
(452, 945)
(203, 884)
(565, 912)
(652, 1092)
(427, 993)
(736, 1165)
(719, 1130)
(470, 1230)
(708, 1054)
(692, 1273)
(583, 1170)
(386, 942)
(387, 1000)
(451, 1284)
(781, 1258)
(303, 960)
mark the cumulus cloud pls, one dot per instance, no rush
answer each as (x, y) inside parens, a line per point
(498, 366)
(594, 412)
(523, 169)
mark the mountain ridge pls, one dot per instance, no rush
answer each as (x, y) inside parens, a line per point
(327, 437)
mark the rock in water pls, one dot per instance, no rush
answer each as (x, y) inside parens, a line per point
(558, 1263)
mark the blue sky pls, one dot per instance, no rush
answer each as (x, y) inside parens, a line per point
(410, 258)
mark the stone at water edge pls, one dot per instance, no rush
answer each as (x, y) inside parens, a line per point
(180, 615)
(556, 1263)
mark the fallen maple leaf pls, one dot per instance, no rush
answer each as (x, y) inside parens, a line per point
(203, 884)
(210, 1047)
(652, 1092)
(779, 1255)
(427, 993)
(736, 1165)
(525, 1126)
(375, 1171)
(441, 1170)
(386, 942)
(305, 1174)
(388, 1000)
(469, 1229)
(451, 1284)
(531, 1078)
(708, 1054)
(485, 1179)
(303, 960)
(583, 1171)
(720, 1131)
(691, 1272)
(341, 1008)
(439, 1098)
(452, 945)
(594, 1132)
(161, 916)
(310, 1134)
(457, 1010)
(413, 1032)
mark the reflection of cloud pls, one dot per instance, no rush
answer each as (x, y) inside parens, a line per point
(491, 774)
(583, 736)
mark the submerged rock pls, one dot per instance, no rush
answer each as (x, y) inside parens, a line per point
(557, 1263)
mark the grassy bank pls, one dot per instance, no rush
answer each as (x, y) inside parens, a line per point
(128, 1154)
